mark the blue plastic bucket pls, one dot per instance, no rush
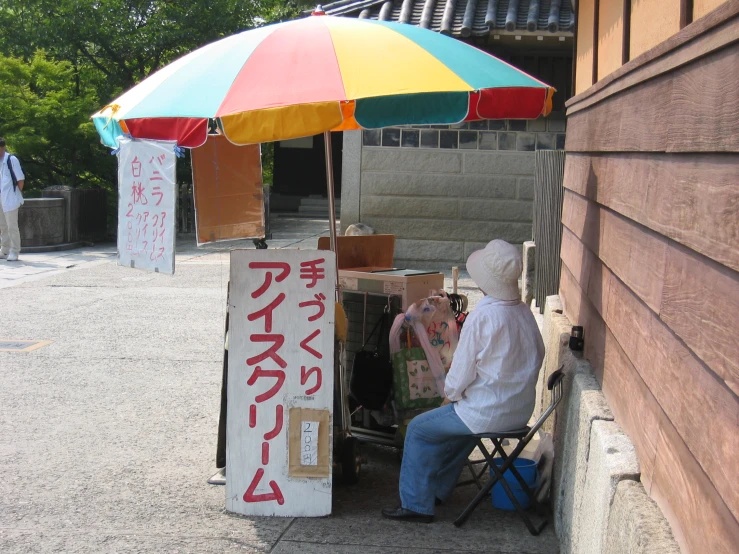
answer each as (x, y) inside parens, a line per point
(530, 474)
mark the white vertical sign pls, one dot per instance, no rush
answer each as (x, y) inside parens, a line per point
(280, 382)
(146, 204)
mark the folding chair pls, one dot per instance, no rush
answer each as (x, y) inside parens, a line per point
(476, 474)
(524, 436)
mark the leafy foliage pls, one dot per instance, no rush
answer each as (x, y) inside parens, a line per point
(125, 40)
(45, 116)
(61, 60)
(268, 163)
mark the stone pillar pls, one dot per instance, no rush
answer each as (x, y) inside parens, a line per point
(351, 174)
(528, 274)
(41, 221)
(61, 191)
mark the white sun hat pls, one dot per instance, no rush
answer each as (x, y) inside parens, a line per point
(496, 269)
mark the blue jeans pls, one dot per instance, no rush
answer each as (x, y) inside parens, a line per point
(437, 444)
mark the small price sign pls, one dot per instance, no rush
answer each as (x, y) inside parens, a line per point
(309, 443)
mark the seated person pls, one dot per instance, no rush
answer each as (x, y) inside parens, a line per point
(491, 386)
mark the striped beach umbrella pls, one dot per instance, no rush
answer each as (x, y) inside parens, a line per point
(320, 74)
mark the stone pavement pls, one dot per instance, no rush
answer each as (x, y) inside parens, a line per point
(108, 433)
(287, 232)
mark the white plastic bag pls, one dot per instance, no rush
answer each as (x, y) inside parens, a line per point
(441, 328)
(435, 328)
(544, 456)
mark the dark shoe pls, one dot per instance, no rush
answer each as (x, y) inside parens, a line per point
(401, 514)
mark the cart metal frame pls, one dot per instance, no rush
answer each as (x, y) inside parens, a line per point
(364, 434)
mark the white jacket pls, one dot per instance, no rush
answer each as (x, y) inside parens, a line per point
(10, 199)
(494, 371)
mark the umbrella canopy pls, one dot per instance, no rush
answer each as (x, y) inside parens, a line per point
(319, 74)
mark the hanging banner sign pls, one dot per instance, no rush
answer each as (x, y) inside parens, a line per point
(146, 204)
(229, 198)
(280, 382)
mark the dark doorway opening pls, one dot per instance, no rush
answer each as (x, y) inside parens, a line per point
(300, 168)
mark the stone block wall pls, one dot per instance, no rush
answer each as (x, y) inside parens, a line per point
(511, 135)
(445, 191)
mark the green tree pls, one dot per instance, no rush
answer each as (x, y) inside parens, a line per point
(44, 114)
(125, 40)
(61, 60)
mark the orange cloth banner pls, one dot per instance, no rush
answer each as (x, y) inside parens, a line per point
(229, 202)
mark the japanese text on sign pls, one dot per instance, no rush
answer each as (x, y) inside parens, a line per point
(281, 350)
(146, 207)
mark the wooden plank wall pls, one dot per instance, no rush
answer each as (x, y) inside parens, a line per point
(650, 266)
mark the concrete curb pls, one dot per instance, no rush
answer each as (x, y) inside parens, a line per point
(612, 459)
(55, 247)
(599, 506)
(586, 406)
(636, 524)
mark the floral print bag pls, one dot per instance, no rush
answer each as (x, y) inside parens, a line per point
(413, 382)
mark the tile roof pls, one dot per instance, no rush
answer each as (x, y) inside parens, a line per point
(467, 17)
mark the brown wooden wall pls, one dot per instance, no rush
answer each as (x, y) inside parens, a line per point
(650, 266)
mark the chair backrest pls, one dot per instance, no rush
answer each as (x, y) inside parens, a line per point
(554, 384)
(555, 379)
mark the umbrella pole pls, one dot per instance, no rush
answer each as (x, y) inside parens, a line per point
(331, 203)
(330, 187)
(344, 404)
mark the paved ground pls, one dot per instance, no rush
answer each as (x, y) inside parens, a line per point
(107, 434)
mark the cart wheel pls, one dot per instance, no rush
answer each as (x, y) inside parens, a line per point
(261, 244)
(351, 461)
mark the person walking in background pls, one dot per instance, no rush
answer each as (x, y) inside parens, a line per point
(12, 180)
